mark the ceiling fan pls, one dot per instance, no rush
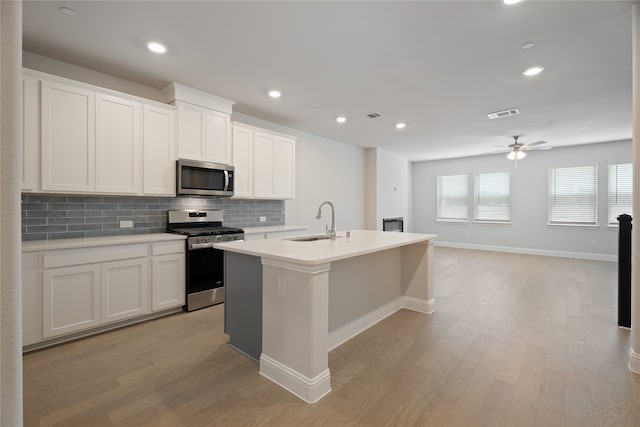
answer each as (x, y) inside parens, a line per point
(518, 151)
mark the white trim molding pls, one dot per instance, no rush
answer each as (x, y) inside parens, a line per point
(634, 361)
(419, 305)
(308, 389)
(528, 251)
(353, 328)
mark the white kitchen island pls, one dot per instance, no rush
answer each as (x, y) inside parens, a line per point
(311, 296)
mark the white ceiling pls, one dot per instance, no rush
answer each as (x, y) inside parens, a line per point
(439, 66)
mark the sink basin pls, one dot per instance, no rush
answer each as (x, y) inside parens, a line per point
(309, 238)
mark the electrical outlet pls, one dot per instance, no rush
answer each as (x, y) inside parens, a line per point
(263, 219)
(126, 224)
(282, 286)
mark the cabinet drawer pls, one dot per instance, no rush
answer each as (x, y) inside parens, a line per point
(163, 248)
(78, 256)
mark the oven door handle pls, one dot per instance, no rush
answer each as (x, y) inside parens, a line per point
(226, 180)
(195, 246)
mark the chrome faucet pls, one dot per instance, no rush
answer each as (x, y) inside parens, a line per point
(331, 232)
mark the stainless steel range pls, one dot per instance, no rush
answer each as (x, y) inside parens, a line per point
(204, 264)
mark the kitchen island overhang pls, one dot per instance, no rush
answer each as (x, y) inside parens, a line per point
(312, 296)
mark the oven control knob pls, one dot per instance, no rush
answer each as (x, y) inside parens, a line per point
(218, 238)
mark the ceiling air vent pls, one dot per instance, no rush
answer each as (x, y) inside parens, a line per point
(373, 115)
(503, 113)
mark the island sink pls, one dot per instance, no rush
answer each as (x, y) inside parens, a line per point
(310, 238)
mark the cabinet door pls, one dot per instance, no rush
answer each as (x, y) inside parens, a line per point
(218, 137)
(167, 278)
(191, 131)
(31, 298)
(125, 289)
(31, 134)
(118, 145)
(243, 162)
(70, 299)
(159, 151)
(264, 165)
(68, 138)
(285, 168)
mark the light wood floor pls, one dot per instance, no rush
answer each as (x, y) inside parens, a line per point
(517, 340)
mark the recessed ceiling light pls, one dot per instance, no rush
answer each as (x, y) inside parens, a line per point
(401, 125)
(341, 119)
(533, 71)
(156, 47)
(510, 2)
(68, 11)
(527, 45)
(275, 93)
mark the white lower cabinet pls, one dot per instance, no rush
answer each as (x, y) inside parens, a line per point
(71, 290)
(71, 299)
(125, 289)
(167, 274)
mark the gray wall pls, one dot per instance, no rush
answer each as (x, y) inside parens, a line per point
(529, 229)
(47, 217)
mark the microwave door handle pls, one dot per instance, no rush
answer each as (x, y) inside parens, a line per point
(226, 180)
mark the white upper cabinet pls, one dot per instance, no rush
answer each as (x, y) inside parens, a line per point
(191, 122)
(80, 138)
(243, 162)
(204, 124)
(264, 163)
(30, 134)
(118, 145)
(160, 151)
(68, 138)
(217, 137)
(264, 145)
(285, 168)
(203, 134)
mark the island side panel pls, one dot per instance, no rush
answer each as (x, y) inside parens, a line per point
(243, 303)
(417, 277)
(363, 288)
(295, 328)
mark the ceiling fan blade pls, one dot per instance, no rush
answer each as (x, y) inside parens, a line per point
(539, 148)
(533, 144)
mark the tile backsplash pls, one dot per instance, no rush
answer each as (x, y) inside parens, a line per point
(47, 217)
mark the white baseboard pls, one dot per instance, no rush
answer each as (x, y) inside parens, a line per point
(634, 361)
(353, 328)
(362, 323)
(527, 251)
(308, 389)
(419, 305)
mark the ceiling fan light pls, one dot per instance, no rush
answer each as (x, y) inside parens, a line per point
(520, 155)
(511, 155)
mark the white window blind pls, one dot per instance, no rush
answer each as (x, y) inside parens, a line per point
(573, 195)
(620, 191)
(452, 197)
(492, 196)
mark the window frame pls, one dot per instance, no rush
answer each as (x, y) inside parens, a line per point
(596, 196)
(609, 165)
(439, 217)
(476, 194)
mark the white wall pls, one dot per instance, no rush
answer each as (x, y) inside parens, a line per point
(388, 188)
(529, 229)
(325, 170)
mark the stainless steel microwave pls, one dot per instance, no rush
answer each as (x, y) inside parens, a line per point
(198, 178)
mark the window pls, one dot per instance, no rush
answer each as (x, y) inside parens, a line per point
(572, 195)
(492, 197)
(620, 191)
(452, 197)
